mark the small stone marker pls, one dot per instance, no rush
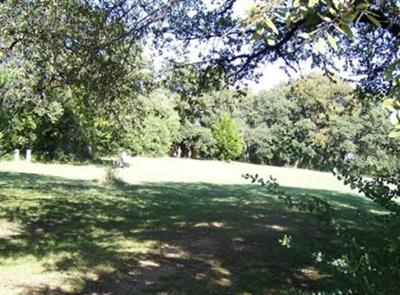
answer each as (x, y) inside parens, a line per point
(16, 155)
(28, 155)
(123, 159)
(178, 152)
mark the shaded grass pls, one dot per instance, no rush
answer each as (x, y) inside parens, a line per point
(79, 237)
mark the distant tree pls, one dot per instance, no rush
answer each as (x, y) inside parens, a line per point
(229, 140)
(302, 144)
(377, 152)
(322, 101)
(197, 140)
(268, 106)
(266, 118)
(298, 117)
(155, 135)
(268, 144)
(197, 115)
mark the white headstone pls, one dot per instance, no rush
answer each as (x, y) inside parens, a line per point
(179, 152)
(16, 155)
(28, 155)
(124, 158)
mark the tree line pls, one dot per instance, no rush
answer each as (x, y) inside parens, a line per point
(311, 122)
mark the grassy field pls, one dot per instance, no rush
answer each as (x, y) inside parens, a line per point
(186, 171)
(79, 236)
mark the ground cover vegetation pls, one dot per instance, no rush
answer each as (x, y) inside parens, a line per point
(62, 236)
(75, 83)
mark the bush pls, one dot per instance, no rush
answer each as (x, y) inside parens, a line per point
(111, 176)
(2, 148)
(365, 265)
(229, 141)
(158, 135)
(198, 139)
(158, 129)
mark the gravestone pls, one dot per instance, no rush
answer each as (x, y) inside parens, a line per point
(122, 161)
(28, 155)
(16, 155)
(89, 152)
(124, 158)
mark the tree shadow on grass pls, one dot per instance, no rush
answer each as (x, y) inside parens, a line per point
(176, 238)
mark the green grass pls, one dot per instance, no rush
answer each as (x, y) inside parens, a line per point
(62, 236)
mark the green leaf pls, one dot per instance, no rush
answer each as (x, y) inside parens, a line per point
(343, 27)
(312, 3)
(373, 20)
(331, 41)
(389, 104)
(325, 18)
(286, 241)
(270, 41)
(256, 36)
(332, 10)
(271, 25)
(394, 134)
(351, 17)
(254, 18)
(321, 45)
(363, 6)
(332, 4)
(305, 36)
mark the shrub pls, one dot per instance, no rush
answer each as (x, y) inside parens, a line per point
(111, 176)
(198, 139)
(229, 141)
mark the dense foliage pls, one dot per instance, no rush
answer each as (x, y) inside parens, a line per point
(61, 92)
(312, 122)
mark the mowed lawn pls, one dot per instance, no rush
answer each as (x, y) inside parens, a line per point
(69, 236)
